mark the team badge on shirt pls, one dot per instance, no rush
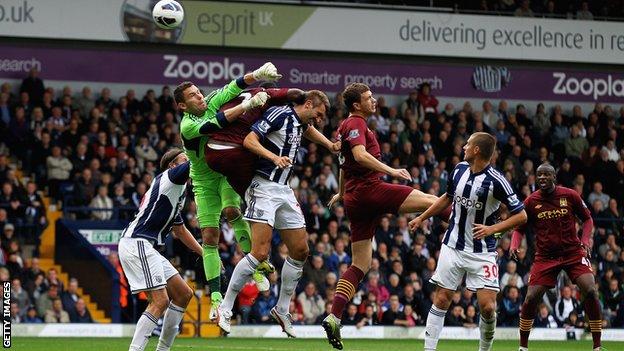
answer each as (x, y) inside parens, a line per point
(563, 202)
(354, 133)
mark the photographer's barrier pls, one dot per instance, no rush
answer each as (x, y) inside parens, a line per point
(314, 332)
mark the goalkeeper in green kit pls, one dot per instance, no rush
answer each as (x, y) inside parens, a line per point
(213, 194)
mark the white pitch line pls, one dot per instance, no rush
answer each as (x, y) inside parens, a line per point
(243, 348)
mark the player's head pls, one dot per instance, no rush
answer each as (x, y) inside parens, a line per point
(480, 145)
(173, 157)
(359, 99)
(189, 98)
(546, 177)
(314, 107)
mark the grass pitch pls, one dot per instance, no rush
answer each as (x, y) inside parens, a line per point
(121, 344)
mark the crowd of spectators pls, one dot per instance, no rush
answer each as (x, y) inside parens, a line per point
(97, 150)
(41, 297)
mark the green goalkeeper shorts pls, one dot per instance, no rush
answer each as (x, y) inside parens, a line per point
(212, 195)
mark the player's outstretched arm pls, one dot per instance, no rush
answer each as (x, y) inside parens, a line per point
(183, 234)
(441, 203)
(516, 241)
(480, 231)
(341, 190)
(253, 144)
(369, 161)
(317, 137)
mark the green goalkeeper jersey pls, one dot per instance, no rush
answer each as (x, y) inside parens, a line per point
(195, 129)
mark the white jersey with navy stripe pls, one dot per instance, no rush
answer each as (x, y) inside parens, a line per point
(280, 131)
(476, 200)
(161, 205)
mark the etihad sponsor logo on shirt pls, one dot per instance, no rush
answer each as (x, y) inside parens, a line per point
(468, 203)
(553, 213)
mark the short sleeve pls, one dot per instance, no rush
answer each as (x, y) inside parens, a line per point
(271, 120)
(180, 174)
(450, 188)
(504, 193)
(178, 219)
(355, 132)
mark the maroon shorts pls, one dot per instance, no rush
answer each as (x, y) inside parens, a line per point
(544, 271)
(237, 165)
(366, 202)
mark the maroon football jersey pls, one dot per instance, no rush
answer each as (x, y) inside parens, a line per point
(238, 130)
(553, 218)
(353, 131)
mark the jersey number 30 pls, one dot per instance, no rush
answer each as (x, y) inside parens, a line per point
(490, 271)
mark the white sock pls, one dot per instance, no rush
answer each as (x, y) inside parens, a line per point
(144, 328)
(291, 273)
(171, 323)
(241, 275)
(526, 348)
(435, 322)
(487, 328)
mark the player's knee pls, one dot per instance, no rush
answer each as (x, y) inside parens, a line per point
(185, 297)
(300, 253)
(488, 309)
(260, 253)
(231, 213)
(210, 236)
(591, 293)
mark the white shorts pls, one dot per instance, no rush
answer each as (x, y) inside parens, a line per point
(274, 204)
(145, 268)
(480, 269)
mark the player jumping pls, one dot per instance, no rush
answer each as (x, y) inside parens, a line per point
(476, 191)
(553, 212)
(145, 268)
(271, 203)
(213, 194)
(366, 196)
(225, 152)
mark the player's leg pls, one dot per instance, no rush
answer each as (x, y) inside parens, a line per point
(482, 276)
(580, 272)
(487, 324)
(143, 268)
(149, 319)
(208, 215)
(543, 276)
(180, 294)
(435, 319)
(261, 245)
(528, 313)
(417, 201)
(448, 276)
(296, 241)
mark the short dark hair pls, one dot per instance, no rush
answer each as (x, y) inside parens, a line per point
(178, 93)
(169, 156)
(486, 143)
(353, 93)
(318, 97)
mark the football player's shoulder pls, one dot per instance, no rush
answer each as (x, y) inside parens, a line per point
(561, 190)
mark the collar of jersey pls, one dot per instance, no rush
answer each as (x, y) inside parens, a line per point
(480, 172)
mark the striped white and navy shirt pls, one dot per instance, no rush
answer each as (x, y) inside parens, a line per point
(161, 205)
(476, 199)
(280, 131)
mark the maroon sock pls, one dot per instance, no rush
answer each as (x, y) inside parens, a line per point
(346, 288)
(527, 315)
(594, 318)
(445, 215)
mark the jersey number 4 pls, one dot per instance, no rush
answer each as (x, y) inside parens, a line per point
(490, 271)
